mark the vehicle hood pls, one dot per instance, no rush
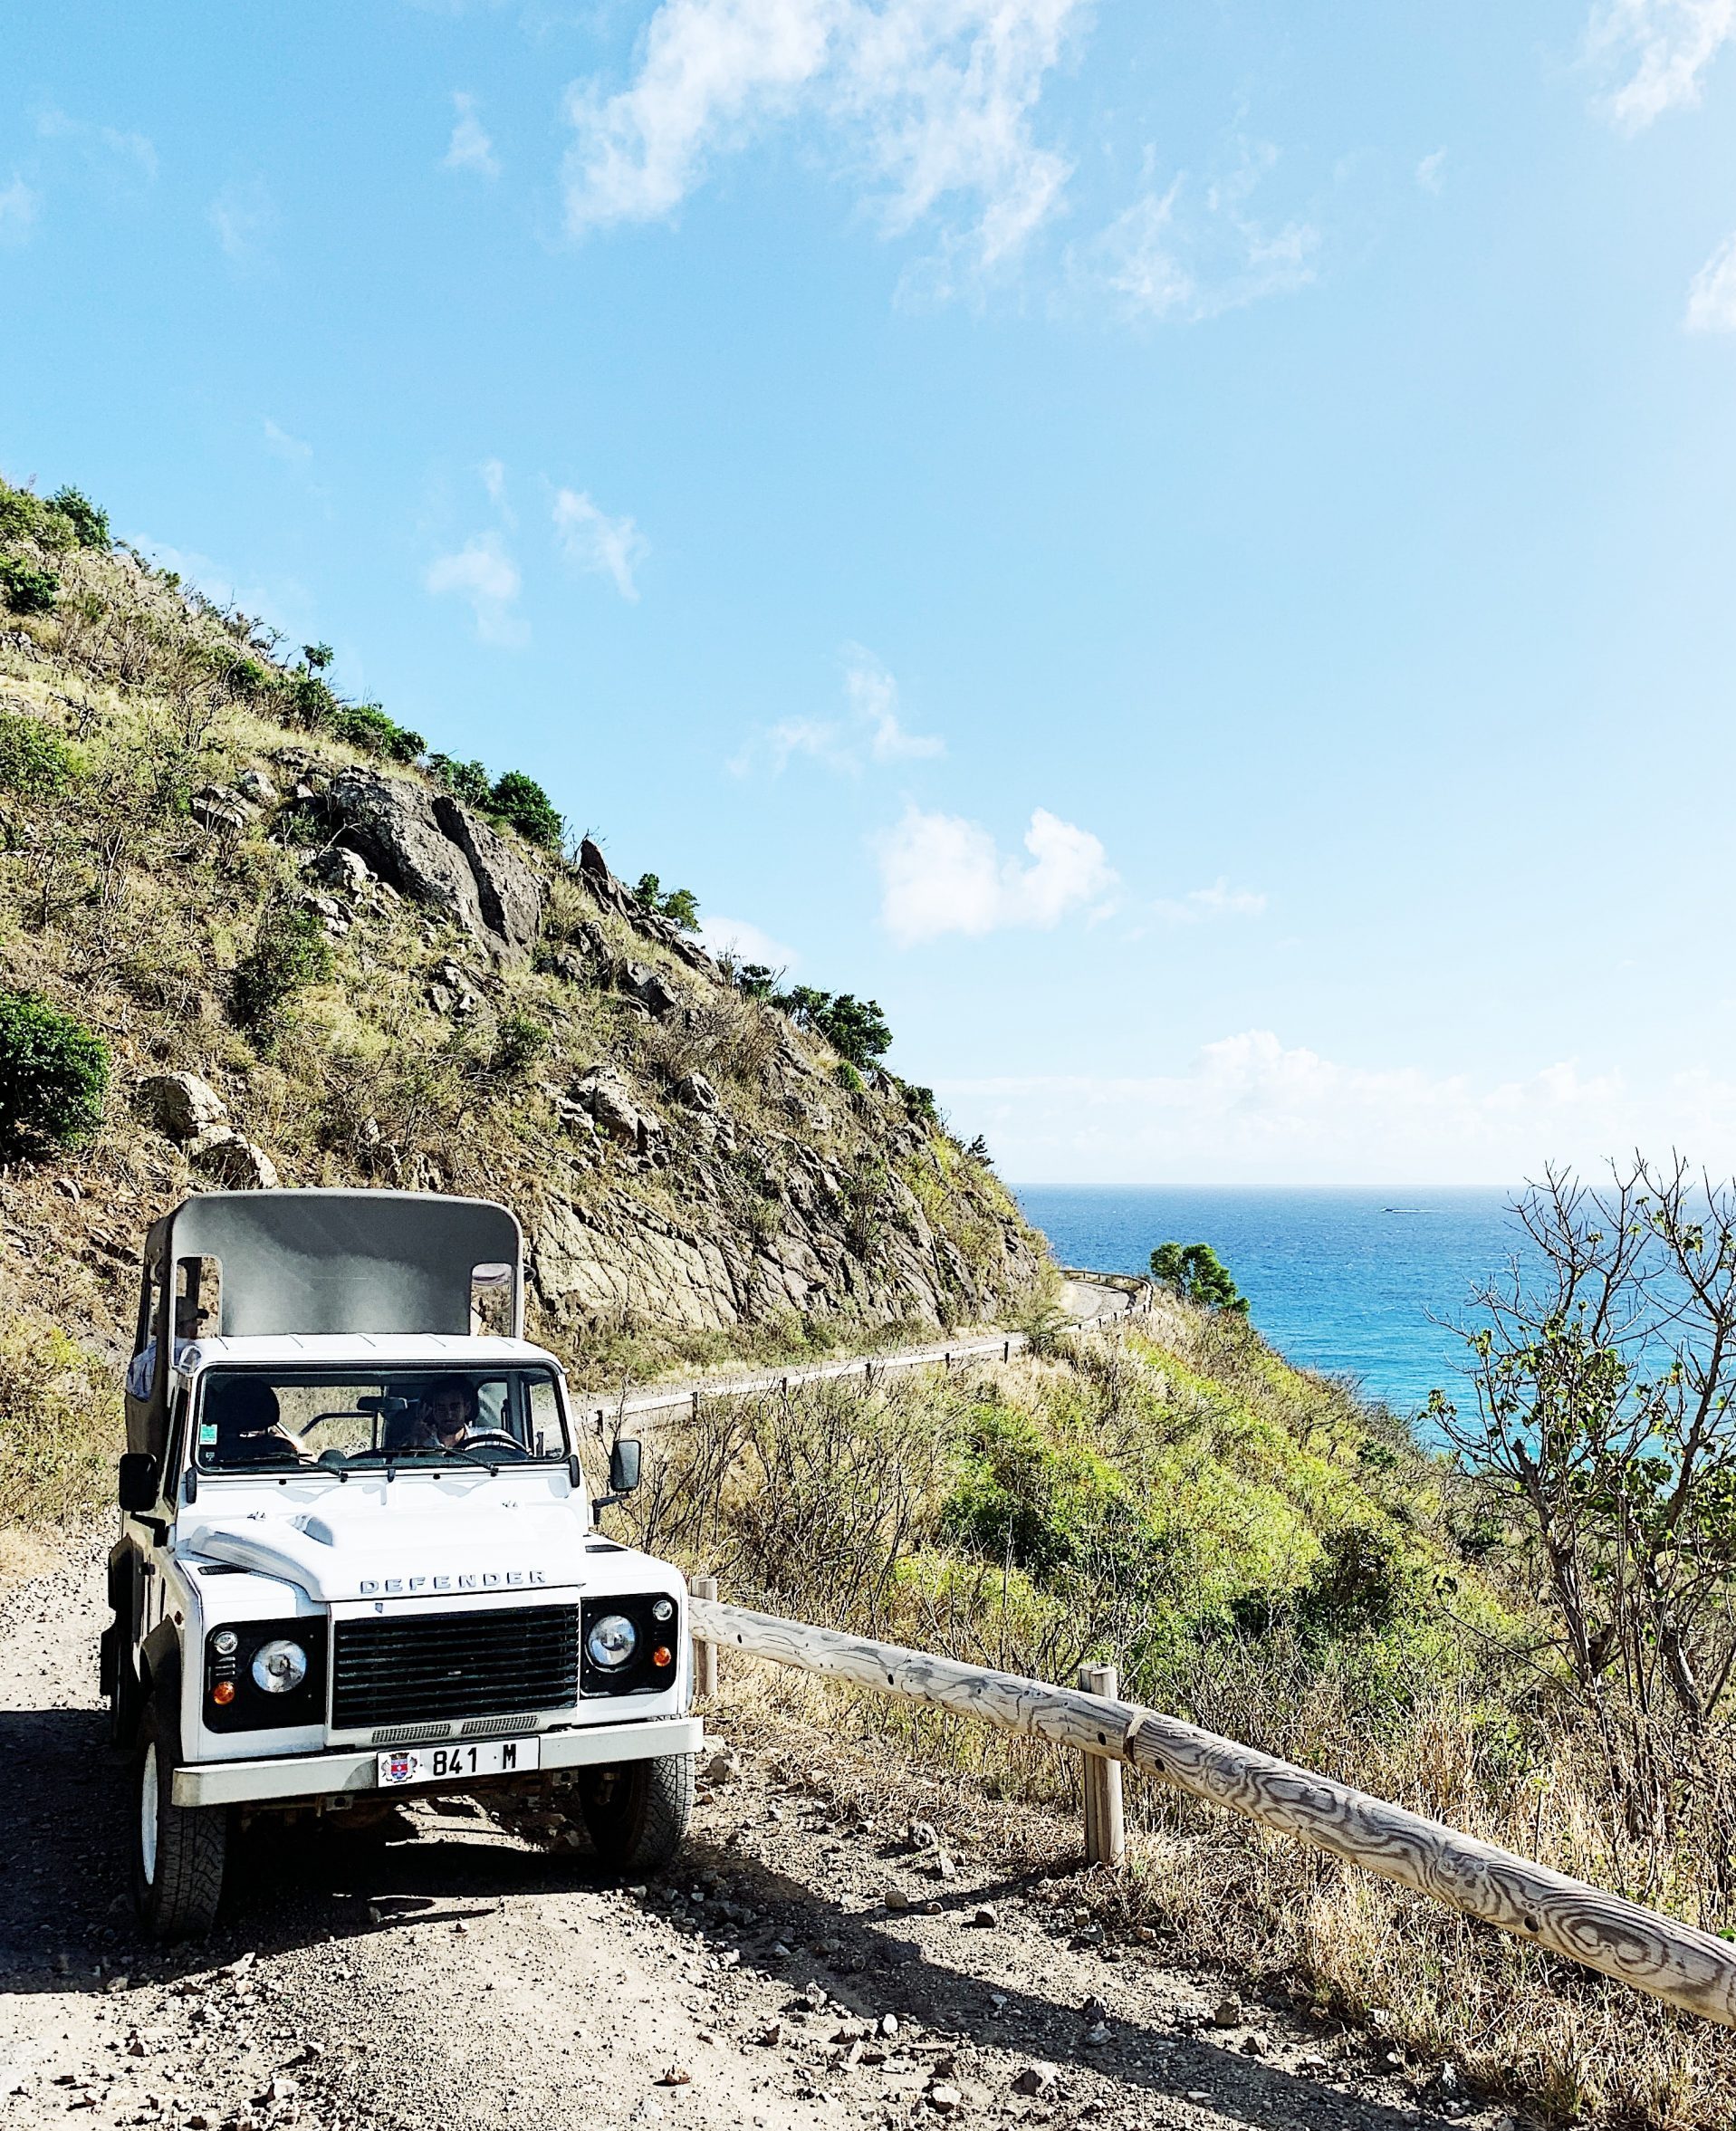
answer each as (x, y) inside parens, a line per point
(339, 1551)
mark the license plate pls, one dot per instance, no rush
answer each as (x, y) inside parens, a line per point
(456, 1764)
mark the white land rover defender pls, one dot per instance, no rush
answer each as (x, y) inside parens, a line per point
(358, 1558)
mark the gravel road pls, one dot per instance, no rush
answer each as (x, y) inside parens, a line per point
(460, 1978)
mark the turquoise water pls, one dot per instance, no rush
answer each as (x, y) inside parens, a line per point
(1343, 1281)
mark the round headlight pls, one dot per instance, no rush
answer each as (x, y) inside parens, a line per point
(612, 1642)
(664, 1609)
(223, 1642)
(279, 1667)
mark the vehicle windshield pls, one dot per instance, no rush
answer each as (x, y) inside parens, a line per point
(348, 1418)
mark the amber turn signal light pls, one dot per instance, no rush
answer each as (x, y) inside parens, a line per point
(223, 1693)
(663, 1654)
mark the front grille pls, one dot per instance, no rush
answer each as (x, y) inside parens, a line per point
(429, 1666)
(409, 1735)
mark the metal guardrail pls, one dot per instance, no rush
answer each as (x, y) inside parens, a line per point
(869, 1367)
(1660, 1955)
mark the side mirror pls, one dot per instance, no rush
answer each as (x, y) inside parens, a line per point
(624, 1466)
(136, 1482)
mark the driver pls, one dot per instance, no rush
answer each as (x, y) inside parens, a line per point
(448, 1411)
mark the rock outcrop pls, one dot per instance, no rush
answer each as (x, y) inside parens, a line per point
(180, 1105)
(439, 854)
(191, 1113)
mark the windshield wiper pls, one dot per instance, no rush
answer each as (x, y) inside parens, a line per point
(478, 1458)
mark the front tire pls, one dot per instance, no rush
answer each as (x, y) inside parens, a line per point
(120, 1684)
(636, 1813)
(178, 1851)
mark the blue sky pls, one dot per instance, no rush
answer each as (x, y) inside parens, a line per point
(1188, 550)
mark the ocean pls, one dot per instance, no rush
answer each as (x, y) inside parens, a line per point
(1349, 1281)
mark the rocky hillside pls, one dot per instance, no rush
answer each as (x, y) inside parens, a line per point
(318, 958)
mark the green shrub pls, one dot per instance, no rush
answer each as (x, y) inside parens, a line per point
(854, 1028)
(680, 906)
(466, 782)
(318, 656)
(53, 1075)
(366, 725)
(307, 701)
(519, 1041)
(1361, 1583)
(89, 525)
(245, 679)
(24, 516)
(1020, 1499)
(920, 1102)
(35, 761)
(26, 589)
(289, 952)
(846, 1077)
(523, 804)
(1043, 1322)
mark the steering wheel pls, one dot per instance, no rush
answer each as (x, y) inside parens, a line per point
(493, 1439)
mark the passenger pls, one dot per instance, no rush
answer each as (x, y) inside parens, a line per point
(448, 1411)
(249, 1425)
(190, 1324)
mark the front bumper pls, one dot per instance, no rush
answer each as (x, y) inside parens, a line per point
(308, 1776)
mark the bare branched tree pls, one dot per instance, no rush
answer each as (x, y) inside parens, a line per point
(1603, 1369)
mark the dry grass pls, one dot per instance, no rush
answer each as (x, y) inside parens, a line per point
(61, 1425)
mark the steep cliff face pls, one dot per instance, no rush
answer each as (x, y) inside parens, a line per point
(314, 966)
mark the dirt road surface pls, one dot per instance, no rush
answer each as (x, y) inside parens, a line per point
(461, 1979)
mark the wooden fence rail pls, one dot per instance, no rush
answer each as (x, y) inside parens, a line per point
(1667, 1958)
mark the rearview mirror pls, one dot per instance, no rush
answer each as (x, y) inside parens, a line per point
(136, 1483)
(624, 1466)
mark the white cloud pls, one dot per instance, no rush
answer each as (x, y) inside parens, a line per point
(136, 149)
(933, 97)
(1194, 249)
(1431, 172)
(1250, 1110)
(593, 541)
(1663, 47)
(940, 873)
(1712, 294)
(470, 147)
(745, 942)
(494, 479)
(1200, 905)
(874, 699)
(285, 447)
(18, 210)
(484, 574)
(872, 733)
(243, 216)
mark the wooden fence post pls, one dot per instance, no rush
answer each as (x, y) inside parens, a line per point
(704, 1655)
(1093, 1796)
(1110, 1845)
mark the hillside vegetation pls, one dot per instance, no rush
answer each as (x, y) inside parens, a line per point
(374, 966)
(1264, 1554)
